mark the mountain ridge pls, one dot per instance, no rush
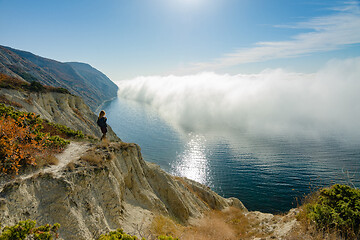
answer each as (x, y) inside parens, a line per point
(79, 78)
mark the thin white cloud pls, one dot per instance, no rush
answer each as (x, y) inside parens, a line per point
(326, 33)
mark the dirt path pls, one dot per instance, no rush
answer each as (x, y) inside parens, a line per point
(71, 153)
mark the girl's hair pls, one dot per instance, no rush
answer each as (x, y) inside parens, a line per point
(102, 114)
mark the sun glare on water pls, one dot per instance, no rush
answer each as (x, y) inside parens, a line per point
(193, 162)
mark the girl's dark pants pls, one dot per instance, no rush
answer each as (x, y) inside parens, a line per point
(104, 131)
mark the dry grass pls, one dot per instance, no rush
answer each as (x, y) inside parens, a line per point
(235, 224)
(46, 159)
(162, 225)
(92, 158)
(104, 143)
(102, 152)
(232, 224)
(70, 166)
(307, 231)
(123, 147)
(213, 226)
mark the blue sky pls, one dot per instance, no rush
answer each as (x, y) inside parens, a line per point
(129, 38)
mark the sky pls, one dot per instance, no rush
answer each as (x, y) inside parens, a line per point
(126, 39)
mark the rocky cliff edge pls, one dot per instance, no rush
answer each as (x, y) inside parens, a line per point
(101, 187)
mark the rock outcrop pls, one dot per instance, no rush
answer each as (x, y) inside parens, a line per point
(79, 78)
(60, 108)
(109, 187)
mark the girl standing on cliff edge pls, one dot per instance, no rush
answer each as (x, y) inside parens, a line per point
(102, 124)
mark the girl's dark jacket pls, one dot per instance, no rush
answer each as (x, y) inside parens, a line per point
(102, 122)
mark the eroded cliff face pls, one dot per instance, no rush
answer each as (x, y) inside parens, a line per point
(60, 108)
(110, 186)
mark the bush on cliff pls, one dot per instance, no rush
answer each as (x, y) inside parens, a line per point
(120, 235)
(17, 146)
(115, 235)
(28, 230)
(64, 130)
(336, 209)
(34, 86)
(21, 139)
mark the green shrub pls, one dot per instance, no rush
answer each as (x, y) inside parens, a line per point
(22, 118)
(59, 90)
(336, 209)
(119, 234)
(68, 131)
(56, 142)
(36, 87)
(27, 230)
(167, 238)
(115, 235)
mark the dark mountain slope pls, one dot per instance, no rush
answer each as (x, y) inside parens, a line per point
(79, 78)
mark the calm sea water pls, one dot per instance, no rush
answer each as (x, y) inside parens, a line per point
(267, 174)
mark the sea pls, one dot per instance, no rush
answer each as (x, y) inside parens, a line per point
(267, 173)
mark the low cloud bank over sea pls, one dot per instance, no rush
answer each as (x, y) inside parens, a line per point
(273, 101)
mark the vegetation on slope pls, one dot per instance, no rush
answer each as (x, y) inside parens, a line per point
(334, 210)
(25, 137)
(28, 230)
(34, 86)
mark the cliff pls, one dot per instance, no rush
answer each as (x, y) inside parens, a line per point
(104, 187)
(79, 78)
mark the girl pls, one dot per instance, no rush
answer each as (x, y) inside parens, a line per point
(102, 124)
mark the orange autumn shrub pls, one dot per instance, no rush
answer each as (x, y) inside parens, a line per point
(18, 144)
(24, 140)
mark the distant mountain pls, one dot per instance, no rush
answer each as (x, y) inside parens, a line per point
(79, 78)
